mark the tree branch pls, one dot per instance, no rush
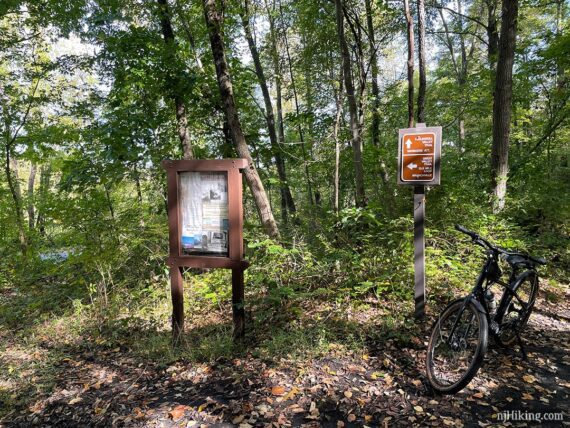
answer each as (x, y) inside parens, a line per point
(437, 6)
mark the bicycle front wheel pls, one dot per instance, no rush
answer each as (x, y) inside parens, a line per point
(456, 347)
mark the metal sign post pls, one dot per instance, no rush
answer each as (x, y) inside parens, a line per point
(419, 161)
(205, 225)
(419, 252)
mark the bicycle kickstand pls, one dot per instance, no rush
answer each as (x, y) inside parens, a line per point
(520, 342)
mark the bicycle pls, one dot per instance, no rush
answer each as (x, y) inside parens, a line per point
(460, 335)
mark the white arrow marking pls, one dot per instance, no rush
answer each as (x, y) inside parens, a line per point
(412, 166)
(408, 144)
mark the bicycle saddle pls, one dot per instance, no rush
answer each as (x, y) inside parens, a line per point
(519, 259)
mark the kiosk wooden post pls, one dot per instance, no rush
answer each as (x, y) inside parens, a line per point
(419, 159)
(218, 241)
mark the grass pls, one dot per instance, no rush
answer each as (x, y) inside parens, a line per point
(50, 317)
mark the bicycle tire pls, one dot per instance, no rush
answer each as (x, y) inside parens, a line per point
(478, 356)
(504, 305)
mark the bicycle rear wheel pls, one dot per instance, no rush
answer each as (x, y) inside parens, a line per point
(515, 311)
(452, 361)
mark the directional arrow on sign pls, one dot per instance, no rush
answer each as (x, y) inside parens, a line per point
(412, 166)
(408, 144)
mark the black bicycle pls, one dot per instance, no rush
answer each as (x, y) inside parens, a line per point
(460, 335)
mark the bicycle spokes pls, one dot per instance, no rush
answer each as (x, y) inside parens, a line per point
(455, 346)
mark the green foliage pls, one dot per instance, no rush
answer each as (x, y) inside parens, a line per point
(86, 95)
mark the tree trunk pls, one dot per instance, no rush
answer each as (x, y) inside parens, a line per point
(352, 107)
(375, 126)
(337, 144)
(279, 98)
(173, 79)
(189, 36)
(285, 191)
(213, 19)
(11, 169)
(410, 36)
(107, 188)
(45, 178)
(31, 209)
(492, 33)
(298, 111)
(422, 61)
(462, 77)
(137, 178)
(502, 105)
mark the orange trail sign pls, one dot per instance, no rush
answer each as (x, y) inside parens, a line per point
(419, 159)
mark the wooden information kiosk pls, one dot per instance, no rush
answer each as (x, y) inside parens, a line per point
(205, 225)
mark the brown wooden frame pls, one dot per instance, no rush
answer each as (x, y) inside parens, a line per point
(234, 261)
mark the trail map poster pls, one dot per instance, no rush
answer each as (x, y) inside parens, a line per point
(204, 212)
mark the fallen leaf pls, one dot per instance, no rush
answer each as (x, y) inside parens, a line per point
(418, 409)
(177, 412)
(529, 378)
(527, 396)
(75, 401)
(238, 419)
(375, 375)
(351, 417)
(294, 391)
(278, 390)
(348, 394)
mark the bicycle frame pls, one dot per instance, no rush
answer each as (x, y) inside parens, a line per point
(477, 293)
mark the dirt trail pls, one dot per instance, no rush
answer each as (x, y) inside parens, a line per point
(385, 387)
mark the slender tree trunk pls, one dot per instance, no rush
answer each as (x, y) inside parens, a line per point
(109, 201)
(279, 98)
(11, 169)
(352, 107)
(213, 19)
(492, 34)
(31, 209)
(45, 179)
(173, 79)
(375, 126)
(502, 105)
(137, 177)
(298, 111)
(410, 36)
(269, 116)
(422, 61)
(337, 144)
(189, 35)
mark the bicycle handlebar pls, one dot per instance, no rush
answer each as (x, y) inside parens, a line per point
(486, 244)
(466, 231)
(476, 238)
